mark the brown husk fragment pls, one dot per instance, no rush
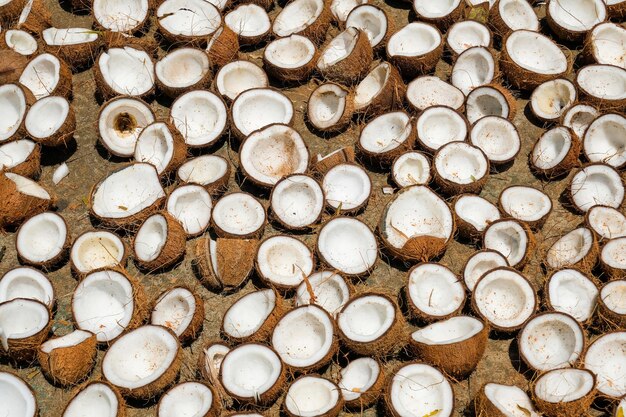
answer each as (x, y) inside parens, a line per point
(223, 47)
(11, 66)
(68, 365)
(16, 206)
(353, 67)
(173, 249)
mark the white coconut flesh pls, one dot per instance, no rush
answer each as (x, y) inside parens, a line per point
(260, 107)
(386, 132)
(467, 34)
(504, 297)
(614, 253)
(47, 116)
(155, 145)
(551, 341)
(437, 126)
(607, 222)
(297, 201)
(461, 163)
(291, 52)
(372, 84)
(21, 318)
(14, 153)
(20, 41)
(213, 357)
(428, 91)
(597, 185)
(327, 105)
(239, 76)
(246, 316)
(24, 282)
(140, 357)
(346, 187)
(606, 357)
(16, 396)
(371, 20)
(571, 292)
(605, 140)
(564, 385)
(509, 238)
(608, 44)
(27, 186)
(127, 70)
(525, 203)
(200, 116)
(250, 370)
(413, 40)
(71, 339)
(496, 137)
(97, 400)
(296, 16)
(510, 400)
(435, 290)
(570, 248)
(419, 389)
(339, 48)
(552, 98)
(348, 245)
(189, 17)
(486, 101)
(577, 15)
(186, 399)
(476, 211)
(272, 153)
(127, 192)
(411, 168)
(41, 75)
(248, 20)
(311, 396)
(535, 52)
(121, 122)
(41, 238)
(450, 331)
(103, 304)
(120, 15)
(13, 109)
(473, 68)
(175, 310)
(284, 260)
(366, 318)
(551, 148)
(604, 82)
(435, 10)
(203, 170)
(96, 250)
(518, 14)
(304, 336)
(191, 205)
(70, 36)
(479, 264)
(613, 296)
(579, 117)
(416, 211)
(182, 67)
(238, 214)
(342, 8)
(329, 289)
(358, 377)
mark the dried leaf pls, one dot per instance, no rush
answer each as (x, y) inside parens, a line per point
(620, 412)
(122, 208)
(432, 413)
(525, 410)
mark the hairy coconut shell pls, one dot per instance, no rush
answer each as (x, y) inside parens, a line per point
(373, 393)
(386, 158)
(560, 31)
(38, 19)
(264, 331)
(174, 92)
(105, 89)
(576, 408)
(346, 116)
(120, 40)
(24, 350)
(11, 10)
(16, 206)
(343, 155)
(333, 412)
(355, 66)
(223, 47)
(121, 404)
(79, 56)
(390, 97)
(589, 261)
(214, 408)
(603, 104)
(614, 319)
(546, 291)
(194, 328)
(531, 241)
(52, 261)
(484, 407)
(121, 265)
(63, 134)
(617, 11)
(496, 23)
(453, 188)
(316, 30)
(569, 162)
(12, 65)
(412, 66)
(466, 230)
(172, 251)
(211, 375)
(444, 22)
(508, 97)
(299, 74)
(70, 364)
(31, 167)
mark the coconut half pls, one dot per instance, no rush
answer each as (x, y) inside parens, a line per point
(613, 303)
(47, 75)
(603, 86)
(51, 121)
(556, 152)
(297, 202)
(480, 263)
(440, 125)
(226, 263)
(120, 15)
(565, 392)
(606, 222)
(24, 325)
(18, 398)
(283, 261)
(510, 15)
(361, 382)
(238, 76)
(326, 289)
(441, 14)
(505, 298)
(143, 362)
(415, 49)
(97, 249)
(98, 395)
(308, 18)
(605, 140)
(373, 21)
(418, 389)
(77, 46)
(210, 362)
(189, 398)
(20, 41)
(347, 245)
(460, 167)
(579, 117)
(124, 71)
(22, 157)
(572, 19)
(42, 240)
(570, 291)
(411, 168)
(490, 100)
(188, 21)
(290, 59)
(120, 122)
(467, 34)
(387, 136)
(191, 206)
(596, 185)
(181, 70)
(161, 145)
(257, 108)
(312, 395)
(13, 106)
(26, 282)
(238, 215)
(159, 242)
(381, 90)
(504, 401)
(222, 47)
(512, 238)
(434, 292)
(180, 310)
(527, 204)
(606, 358)
(329, 108)
(550, 100)
(429, 90)
(347, 57)
(210, 171)
(23, 198)
(347, 188)
(304, 338)
(498, 138)
(340, 9)
(252, 317)
(475, 67)
(250, 22)
(606, 44)
(473, 214)
(577, 248)
(613, 259)
(68, 359)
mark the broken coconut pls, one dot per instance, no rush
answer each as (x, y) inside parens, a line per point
(191, 205)
(465, 34)
(210, 171)
(460, 168)
(373, 21)
(297, 202)
(510, 15)
(380, 91)
(120, 122)
(257, 108)
(283, 262)
(411, 168)
(238, 215)
(429, 90)
(415, 49)
(504, 401)
(189, 398)
(433, 292)
(250, 22)
(605, 140)
(77, 46)
(596, 184)
(200, 116)
(238, 76)
(187, 21)
(17, 397)
(612, 303)
(330, 107)
(24, 325)
(182, 70)
(47, 75)
(51, 121)
(181, 311)
(22, 157)
(550, 100)
(572, 292)
(613, 258)
(22, 198)
(475, 67)
(347, 57)
(290, 59)
(440, 125)
(555, 152)
(527, 204)
(512, 238)
(222, 47)
(121, 15)
(498, 138)
(579, 117)
(606, 222)
(490, 100)
(68, 359)
(252, 318)
(307, 18)
(124, 71)
(578, 249)
(13, 106)
(479, 263)
(606, 358)
(472, 215)
(26, 282)
(361, 382)
(159, 242)
(442, 14)
(226, 263)
(605, 44)
(565, 392)
(347, 188)
(326, 289)
(97, 249)
(312, 395)
(572, 19)
(603, 86)
(43, 240)
(96, 395)
(387, 136)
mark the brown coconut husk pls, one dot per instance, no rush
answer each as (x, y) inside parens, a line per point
(390, 97)
(52, 261)
(38, 19)
(105, 89)
(373, 393)
(11, 65)
(576, 408)
(11, 11)
(121, 265)
(444, 22)
(346, 116)
(614, 319)
(172, 251)
(194, 328)
(179, 154)
(24, 350)
(69, 364)
(454, 188)
(323, 164)
(508, 97)
(120, 40)
(299, 74)
(214, 408)
(64, 87)
(496, 23)
(569, 162)
(484, 407)
(457, 359)
(255, 39)
(412, 66)
(17, 206)
(530, 240)
(617, 11)
(535, 224)
(589, 261)
(355, 66)
(63, 134)
(222, 47)
(31, 167)
(79, 56)
(81, 5)
(386, 158)
(333, 412)
(121, 404)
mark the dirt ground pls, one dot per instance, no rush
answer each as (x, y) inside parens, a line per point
(88, 163)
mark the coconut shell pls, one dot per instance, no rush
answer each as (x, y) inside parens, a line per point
(444, 22)
(215, 188)
(11, 65)
(174, 92)
(119, 40)
(139, 27)
(569, 161)
(343, 155)
(199, 41)
(576, 408)
(535, 224)
(466, 230)
(234, 129)
(530, 239)
(413, 66)
(214, 408)
(79, 56)
(589, 261)
(253, 235)
(457, 359)
(316, 30)
(64, 87)
(496, 23)
(179, 154)
(70, 364)
(16, 206)
(451, 51)
(38, 19)
(121, 404)
(299, 74)
(265, 330)
(172, 251)
(345, 118)
(333, 412)
(224, 47)
(390, 97)
(603, 104)
(614, 319)
(509, 98)
(453, 188)
(121, 265)
(212, 374)
(63, 134)
(369, 397)
(355, 66)
(546, 292)
(11, 10)
(617, 11)
(31, 167)
(484, 407)
(560, 31)
(52, 261)
(612, 272)
(24, 350)
(105, 89)
(194, 328)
